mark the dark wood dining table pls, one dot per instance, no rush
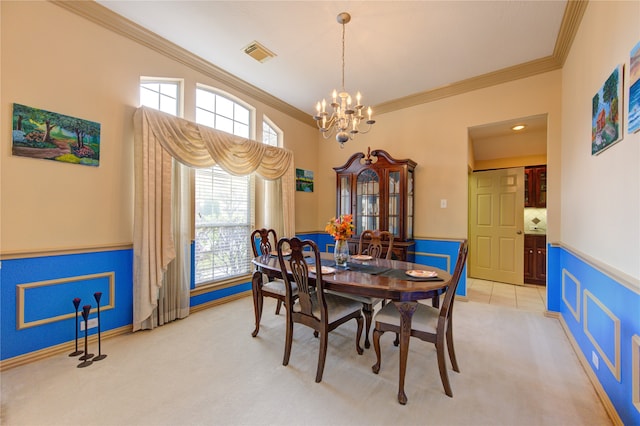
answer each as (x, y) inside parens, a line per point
(378, 278)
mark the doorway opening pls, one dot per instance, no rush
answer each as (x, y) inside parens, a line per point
(500, 154)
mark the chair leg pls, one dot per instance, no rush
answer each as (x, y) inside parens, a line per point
(322, 355)
(288, 340)
(367, 309)
(435, 301)
(358, 335)
(278, 307)
(256, 284)
(442, 364)
(452, 352)
(376, 346)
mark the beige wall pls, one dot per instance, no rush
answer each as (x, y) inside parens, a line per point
(92, 73)
(600, 194)
(54, 60)
(435, 136)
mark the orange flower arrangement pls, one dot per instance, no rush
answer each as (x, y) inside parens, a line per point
(340, 228)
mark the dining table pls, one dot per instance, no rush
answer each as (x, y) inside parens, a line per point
(379, 278)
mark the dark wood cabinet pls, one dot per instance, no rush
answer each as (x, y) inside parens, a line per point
(535, 186)
(535, 259)
(378, 190)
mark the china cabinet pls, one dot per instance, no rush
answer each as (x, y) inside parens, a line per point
(535, 186)
(378, 190)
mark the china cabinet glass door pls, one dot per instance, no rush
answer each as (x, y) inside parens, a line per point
(344, 195)
(394, 203)
(367, 201)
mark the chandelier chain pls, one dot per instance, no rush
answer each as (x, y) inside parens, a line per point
(343, 29)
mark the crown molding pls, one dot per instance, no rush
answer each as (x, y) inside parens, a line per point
(571, 20)
(573, 13)
(104, 17)
(504, 75)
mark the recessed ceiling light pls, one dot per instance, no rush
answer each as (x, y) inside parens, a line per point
(518, 127)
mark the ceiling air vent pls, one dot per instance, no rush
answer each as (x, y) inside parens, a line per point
(258, 52)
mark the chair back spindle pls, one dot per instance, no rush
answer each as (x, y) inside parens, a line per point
(263, 245)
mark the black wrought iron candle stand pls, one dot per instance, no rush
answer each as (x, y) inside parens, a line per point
(86, 358)
(76, 303)
(97, 295)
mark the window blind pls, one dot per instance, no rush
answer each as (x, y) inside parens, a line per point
(223, 221)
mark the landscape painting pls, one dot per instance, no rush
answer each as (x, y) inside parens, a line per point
(51, 136)
(606, 122)
(634, 90)
(304, 180)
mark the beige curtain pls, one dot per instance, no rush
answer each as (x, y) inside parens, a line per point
(159, 138)
(269, 212)
(173, 294)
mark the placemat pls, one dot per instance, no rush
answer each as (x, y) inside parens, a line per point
(401, 274)
(367, 269)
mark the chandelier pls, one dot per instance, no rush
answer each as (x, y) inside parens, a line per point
(345, 119)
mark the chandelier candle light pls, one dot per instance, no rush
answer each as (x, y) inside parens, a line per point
(346, 118)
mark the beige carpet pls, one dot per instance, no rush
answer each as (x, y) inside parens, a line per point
(517, 368)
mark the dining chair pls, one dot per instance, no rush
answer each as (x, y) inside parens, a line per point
(321, 311)
(371, 244)
(261, 243)
(429, 323)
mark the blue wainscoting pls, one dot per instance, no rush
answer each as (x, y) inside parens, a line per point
(603, 317)
(36, 297)
(36, 294)
(441, 254)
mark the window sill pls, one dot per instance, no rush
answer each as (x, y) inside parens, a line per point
(218, 285)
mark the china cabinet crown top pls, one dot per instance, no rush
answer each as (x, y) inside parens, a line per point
(377, 157)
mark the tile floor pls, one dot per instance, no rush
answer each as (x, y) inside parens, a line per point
(527, 297)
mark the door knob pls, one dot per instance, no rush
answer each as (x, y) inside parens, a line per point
(518, 232)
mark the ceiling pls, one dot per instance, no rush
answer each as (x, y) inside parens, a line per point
(394, 50)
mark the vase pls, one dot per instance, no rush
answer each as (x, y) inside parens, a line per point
(341, 253)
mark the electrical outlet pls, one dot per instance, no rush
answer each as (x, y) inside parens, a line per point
(92, 323)
(595, 360)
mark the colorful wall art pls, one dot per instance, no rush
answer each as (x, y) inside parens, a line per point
(51, 136)
(606, 115)
(304, 180)
(634, 89)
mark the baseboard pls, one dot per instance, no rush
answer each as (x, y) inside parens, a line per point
(221, 301)
(606, 402)
(70, 346)
(58, 349)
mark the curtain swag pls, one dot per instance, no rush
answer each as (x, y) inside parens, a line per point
(160, 137)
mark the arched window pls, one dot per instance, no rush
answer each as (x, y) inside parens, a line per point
(162, 94)
(269, 200)
(271, 135)
(224, 215)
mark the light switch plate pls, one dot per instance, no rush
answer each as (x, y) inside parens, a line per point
(443, 203)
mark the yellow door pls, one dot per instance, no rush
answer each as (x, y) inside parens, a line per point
(496, 220)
